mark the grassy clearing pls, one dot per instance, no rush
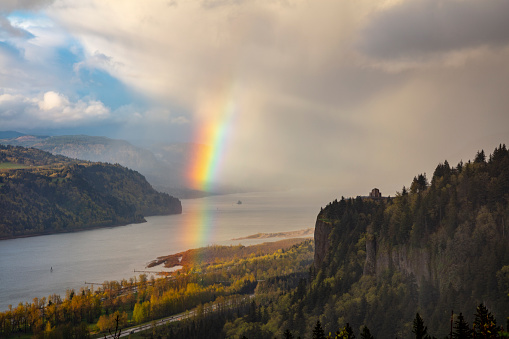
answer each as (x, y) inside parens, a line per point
(11, 165)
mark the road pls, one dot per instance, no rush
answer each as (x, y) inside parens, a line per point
(163, 321)
(159, 322)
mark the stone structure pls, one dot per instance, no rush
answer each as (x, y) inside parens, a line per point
(375, 193)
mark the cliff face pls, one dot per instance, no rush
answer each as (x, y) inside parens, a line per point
(439, 245)
(322, 242)
(405, 259)
(380, 256)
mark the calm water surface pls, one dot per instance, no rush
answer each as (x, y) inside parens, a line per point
(114, 253)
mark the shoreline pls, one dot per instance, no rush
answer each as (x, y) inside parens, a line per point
(161, 235)
(211, 254)
(92, 228)
(287, 234)
(196, 256)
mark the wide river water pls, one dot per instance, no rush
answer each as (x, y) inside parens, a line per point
(43, 265)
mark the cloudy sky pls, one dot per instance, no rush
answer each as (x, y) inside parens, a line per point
(338, 93)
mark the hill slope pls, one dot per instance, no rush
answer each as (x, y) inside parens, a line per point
(434, 248)
(165, 171)
(41, 193)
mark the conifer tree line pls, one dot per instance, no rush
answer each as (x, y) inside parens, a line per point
(438, 245)
(219, 325)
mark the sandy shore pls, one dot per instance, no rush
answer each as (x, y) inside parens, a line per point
(308, 232)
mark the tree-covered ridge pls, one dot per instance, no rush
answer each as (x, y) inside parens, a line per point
(391, 267)
(30, 157)
(50, 194)
(436, 246)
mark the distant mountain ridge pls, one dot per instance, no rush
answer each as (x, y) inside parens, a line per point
(164, 165)
(10, 134)
(41, 193)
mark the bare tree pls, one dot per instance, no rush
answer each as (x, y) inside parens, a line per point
(115, 335)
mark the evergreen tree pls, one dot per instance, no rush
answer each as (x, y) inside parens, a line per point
(345, 333)
(461, 328)
(349, 332)
(287, 334)
(419, 329)
(485, 324)
(419, 184)
(318, 332)
(480, 157)
(366, 334)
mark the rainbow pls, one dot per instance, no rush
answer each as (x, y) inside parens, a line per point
(211, 141)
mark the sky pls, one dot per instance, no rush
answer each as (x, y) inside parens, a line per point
(343, 94)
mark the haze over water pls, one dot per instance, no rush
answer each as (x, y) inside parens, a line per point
(114, 253)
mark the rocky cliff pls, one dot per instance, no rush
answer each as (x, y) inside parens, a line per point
(380, 255)
(435, 247)
(322, 243)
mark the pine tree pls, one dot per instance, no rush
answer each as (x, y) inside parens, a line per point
(480, 157)
(349, 332)
(318, 332)
(366, 334)
(461, 328)
(287, 334)
(485, 324)
(419, 329)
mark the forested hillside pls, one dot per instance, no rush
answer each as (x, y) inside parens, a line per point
(437, 246)
(163, 165)
(41, 193)
(398, 267)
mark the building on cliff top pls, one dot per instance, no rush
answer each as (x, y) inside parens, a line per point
(375, 193)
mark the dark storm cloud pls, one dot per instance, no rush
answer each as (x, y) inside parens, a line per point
(422, 27)
(12, 5)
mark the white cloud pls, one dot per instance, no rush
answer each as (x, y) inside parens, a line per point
(52, 100)
(50, 109)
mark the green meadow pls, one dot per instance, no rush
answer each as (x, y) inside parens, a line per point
(11, 165)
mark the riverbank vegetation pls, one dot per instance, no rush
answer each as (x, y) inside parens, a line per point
(212, 255)
(142, 299)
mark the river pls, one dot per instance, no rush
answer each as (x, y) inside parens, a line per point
(43, 265)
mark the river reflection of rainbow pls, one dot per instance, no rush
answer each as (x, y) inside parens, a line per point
(211, 140)
(199, 225)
